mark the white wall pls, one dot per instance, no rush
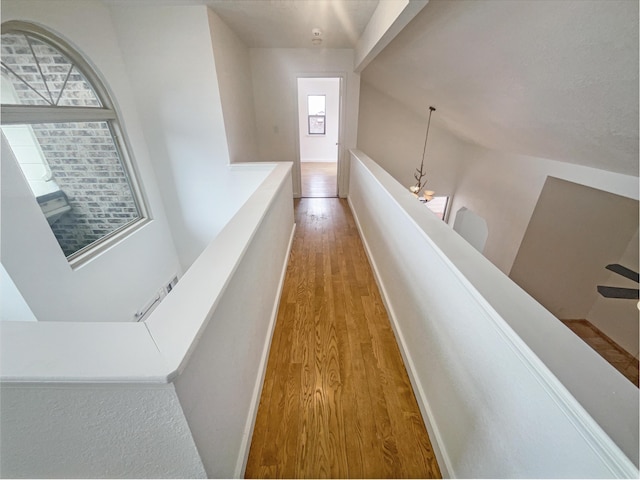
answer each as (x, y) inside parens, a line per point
(483, 356)
(85, 431)
(319, 148)
(471, 227)
(233, 67)
(500, 187)
(220, 384)
(170, 60)
(133, 269)
(274, 86)
(574, 232)
(504, 189)
(618, 318)
(12, 303)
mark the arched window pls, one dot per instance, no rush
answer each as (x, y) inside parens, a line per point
(63, 130)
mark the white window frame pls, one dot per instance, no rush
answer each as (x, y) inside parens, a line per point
(36, 114)
(447, 207)
(315, 115)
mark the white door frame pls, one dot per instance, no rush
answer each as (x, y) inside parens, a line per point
(297, 175)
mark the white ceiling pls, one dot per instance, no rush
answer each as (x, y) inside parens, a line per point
(552, 79)
(289, 23)
(284, 23)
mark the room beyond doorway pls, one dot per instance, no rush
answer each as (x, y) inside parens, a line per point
(319, 131)
(319, 179)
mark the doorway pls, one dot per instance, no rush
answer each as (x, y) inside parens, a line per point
(319, 132)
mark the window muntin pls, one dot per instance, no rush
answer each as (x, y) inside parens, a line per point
(42, 75)
(58, 120)
(316, 107)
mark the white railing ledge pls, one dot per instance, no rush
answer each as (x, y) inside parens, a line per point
(147, 352)
(582, 383)
(73, 352)
(180, 319)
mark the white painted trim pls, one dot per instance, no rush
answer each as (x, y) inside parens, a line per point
(341, 176)
(427, 416)
(245, 447)
(31, 114)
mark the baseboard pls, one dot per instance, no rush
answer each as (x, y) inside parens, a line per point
(245, 447)
(446, 468)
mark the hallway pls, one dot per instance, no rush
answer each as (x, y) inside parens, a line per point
(336, 400)
(319, 179)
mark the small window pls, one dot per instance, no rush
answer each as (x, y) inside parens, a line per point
(317, 114)
(438, 205)
(63, 130)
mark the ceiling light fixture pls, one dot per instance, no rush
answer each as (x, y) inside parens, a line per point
(420, 173)
(316, 38)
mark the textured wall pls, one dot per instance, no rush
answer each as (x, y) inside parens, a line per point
(83, 431)
(554, 80)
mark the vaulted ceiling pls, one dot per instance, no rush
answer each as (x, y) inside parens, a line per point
(288, 24)
(552, 79)
(285, 23)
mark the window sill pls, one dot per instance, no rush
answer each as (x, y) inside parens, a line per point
(91, 251)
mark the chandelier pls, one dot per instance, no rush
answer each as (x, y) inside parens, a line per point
(421, 181)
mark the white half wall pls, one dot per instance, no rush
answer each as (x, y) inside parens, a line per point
(30, 253)
(499, 396)
(174, 396)
(275, 71)
(219, 385)
(319, 148)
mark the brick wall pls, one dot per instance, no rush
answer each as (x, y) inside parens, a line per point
(86, 166)
(82, 155)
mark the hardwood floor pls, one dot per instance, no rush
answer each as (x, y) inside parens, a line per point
(319, 179)
(336, 401)
(613, 353)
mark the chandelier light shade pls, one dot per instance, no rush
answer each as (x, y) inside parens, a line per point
(420, 174)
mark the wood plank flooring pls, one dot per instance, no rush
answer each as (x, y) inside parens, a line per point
(336, 401)
(319, 179)
(613, 353)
